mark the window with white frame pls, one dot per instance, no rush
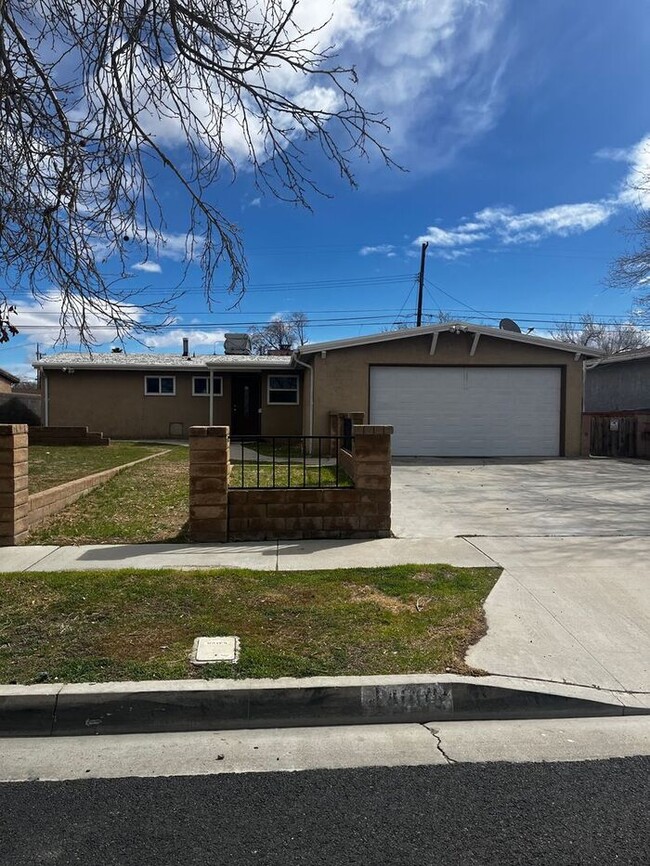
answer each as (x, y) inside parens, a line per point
(282, 390)
(201, 386)
(160, 386)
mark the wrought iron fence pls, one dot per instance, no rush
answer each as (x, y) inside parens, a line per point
(288, 461)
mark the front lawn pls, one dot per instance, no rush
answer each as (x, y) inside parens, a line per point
(121, 625)
(50, 465)
(266, 475)
(149, 502)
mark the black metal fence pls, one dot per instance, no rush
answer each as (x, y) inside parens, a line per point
(288, 461)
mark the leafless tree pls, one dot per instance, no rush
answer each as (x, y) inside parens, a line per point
(280, 334)
(101, 101)
(612, 339)
(631, 270)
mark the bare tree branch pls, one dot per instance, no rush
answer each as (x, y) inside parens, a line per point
(281, 334)
(612, 339)
(631, 270)
(100, 101)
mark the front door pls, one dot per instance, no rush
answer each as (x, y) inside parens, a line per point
(245, 409)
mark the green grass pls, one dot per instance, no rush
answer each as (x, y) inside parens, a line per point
(148, 503)
(117, 625)
(50, 465)
(262, 475)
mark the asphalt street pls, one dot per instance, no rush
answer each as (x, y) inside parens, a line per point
(555, 813)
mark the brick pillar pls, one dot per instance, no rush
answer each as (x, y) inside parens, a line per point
(372, 474)
(209, 468)
(14, 484)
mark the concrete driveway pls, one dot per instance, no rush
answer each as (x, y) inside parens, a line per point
(573, 537)
(444, 498)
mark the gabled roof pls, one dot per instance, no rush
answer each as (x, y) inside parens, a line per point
(453, 327)
(157, 361)
(9, 377)
(636, 355)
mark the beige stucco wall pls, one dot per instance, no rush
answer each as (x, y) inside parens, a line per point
(5, 386)
(282, 420)
(114, 403)
(341, 382)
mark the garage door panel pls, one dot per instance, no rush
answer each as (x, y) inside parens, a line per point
(469, 411)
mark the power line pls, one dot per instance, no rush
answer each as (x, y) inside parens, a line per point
(453, 297)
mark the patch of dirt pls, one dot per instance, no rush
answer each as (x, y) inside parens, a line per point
(428, 577)
(363, 594)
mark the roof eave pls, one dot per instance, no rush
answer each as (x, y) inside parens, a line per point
(387, 336)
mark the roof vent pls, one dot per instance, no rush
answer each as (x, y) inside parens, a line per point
(237, 344)
(186, 347)
(509, 325)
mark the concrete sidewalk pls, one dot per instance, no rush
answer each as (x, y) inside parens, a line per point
(265, 556)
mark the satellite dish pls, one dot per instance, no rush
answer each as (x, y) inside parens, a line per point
(509, 325)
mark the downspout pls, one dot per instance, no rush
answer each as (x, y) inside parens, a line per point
(310, 418)
(211, 397)
(46, 400)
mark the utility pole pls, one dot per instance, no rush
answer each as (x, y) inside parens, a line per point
(421, 283)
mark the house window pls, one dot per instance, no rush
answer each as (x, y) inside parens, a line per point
(201, 386)
(283, 390)
(160, 386)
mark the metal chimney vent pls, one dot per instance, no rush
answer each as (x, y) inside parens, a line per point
(186, 347)
(237, 344)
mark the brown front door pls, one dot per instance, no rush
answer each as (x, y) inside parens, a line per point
(245, 409)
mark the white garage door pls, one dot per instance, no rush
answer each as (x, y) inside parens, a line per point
(469, 411)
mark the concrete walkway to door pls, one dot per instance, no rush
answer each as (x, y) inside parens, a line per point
(573, 536)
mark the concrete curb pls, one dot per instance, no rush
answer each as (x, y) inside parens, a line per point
(195, 705)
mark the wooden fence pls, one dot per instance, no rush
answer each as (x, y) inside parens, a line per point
(616, 434)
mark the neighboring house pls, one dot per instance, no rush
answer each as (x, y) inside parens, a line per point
(6, 381)
(449, 390)
(619, 383)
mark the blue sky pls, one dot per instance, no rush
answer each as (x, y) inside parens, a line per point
(521, 123)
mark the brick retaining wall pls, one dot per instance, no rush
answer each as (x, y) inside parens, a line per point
(19, 511)
(220, 513)
(47, 502)
(65, 436)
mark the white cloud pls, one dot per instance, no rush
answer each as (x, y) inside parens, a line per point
(199, 340)
(507, 226)
(380, 249)
(635, 190)
(436, 71)
(561, 221)
(468, 233)
(148, 267)
(614, 154)
(39, 322)
(426, 66)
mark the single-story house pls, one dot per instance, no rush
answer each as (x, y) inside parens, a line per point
(618, 383)
(455, 389)
(7, 380)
